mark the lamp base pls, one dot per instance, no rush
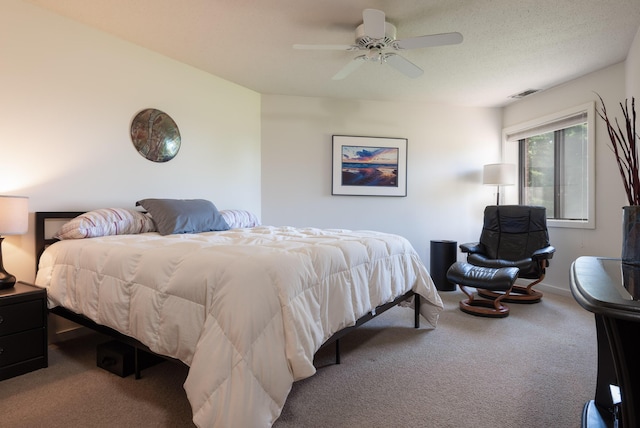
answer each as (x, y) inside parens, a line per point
(6, 280)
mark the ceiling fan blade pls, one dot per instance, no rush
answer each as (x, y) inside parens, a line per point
(429, 41)
(327, 47)
(349, 68)
(403, 65)
(373, 20)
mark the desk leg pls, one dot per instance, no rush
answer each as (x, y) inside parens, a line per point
(599, 413)
(623, 340)
(606, 368)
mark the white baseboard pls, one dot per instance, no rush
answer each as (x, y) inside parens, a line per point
(74, 333)
(61, 329)
(548, 288)
(553, 289)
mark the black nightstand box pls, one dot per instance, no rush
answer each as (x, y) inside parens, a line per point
(119, 358)
(116, 357)
(23, 330)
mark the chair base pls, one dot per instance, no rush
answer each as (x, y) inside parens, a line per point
(484, 308)
(518, 294)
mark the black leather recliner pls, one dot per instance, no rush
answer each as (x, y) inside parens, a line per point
(513, 236)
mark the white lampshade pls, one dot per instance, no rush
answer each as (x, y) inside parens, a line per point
(499, 174)
(14, 215)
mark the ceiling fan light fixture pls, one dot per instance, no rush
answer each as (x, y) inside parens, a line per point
(367, 42)
(374, 55)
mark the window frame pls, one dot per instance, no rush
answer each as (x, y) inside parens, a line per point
(511, 154)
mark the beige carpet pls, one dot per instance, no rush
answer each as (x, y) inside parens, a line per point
(535, 368)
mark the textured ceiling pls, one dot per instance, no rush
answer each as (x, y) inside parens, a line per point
(509, 45)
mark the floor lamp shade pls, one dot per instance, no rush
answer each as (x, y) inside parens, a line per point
(499, 174)
(14, 220)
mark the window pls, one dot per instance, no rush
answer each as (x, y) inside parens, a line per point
(555, 166)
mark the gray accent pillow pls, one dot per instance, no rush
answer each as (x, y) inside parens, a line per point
(183, 215)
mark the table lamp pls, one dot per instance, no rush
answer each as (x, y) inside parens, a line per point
(14, 220)
(499, 174)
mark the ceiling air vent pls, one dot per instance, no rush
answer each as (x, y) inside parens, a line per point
(524, 93)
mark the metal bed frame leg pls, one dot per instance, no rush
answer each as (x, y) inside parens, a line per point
(416, 324)
(374, 313)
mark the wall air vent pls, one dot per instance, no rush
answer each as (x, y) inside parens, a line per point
(525, 93)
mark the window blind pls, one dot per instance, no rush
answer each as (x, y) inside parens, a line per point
(554, 125)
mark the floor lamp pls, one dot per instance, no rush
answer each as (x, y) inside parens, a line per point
(499, 174)
(14, 220)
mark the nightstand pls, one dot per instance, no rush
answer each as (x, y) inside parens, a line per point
(23, 330)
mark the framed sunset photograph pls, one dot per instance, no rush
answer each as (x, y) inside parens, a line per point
(369, 166)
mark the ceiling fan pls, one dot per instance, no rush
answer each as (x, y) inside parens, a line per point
(377, 38)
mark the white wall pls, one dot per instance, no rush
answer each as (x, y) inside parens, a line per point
(447, 147)
(605, 239)
(633, 69)
(69, 94)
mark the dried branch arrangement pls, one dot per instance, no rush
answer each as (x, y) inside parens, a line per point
(624, 144)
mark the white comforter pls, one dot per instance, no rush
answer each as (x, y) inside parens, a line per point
(246, 309)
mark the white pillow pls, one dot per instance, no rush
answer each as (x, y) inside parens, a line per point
(240, 218)
(104, 222)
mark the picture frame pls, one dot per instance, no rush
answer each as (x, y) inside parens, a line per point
(369, 166)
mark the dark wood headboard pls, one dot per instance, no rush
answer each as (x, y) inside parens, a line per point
(42, 241)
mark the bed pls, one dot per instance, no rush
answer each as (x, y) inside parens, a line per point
(246, 308)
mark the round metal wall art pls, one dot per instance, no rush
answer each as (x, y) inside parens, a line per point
(155, 135)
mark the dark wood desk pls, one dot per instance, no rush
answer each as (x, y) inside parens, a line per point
(603, 286)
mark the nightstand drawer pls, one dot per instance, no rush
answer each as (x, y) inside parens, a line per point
(20, 347)
(21, 316)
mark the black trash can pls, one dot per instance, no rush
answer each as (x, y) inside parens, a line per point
(443, 255)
